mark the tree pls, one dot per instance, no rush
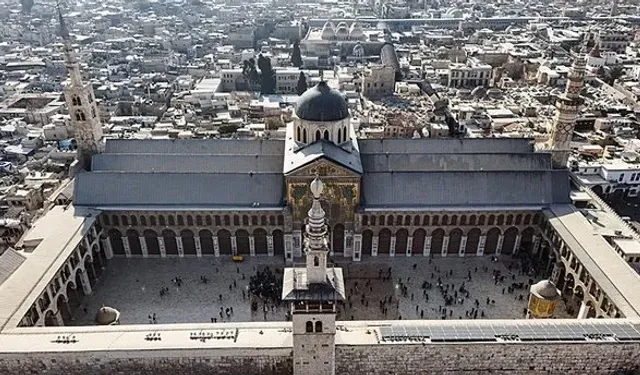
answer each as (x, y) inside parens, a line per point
(267, 76)
(228, 129)
(302, 84)
(273, 123)
(614, 73)
(296, 58)
(249, 71)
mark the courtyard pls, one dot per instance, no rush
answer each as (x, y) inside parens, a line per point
(196, 290)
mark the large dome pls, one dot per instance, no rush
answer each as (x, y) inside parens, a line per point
(321, 103)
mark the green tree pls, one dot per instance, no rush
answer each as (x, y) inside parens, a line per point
(228, 129)
(267, 76)
(302, 84)
(273, 123)
(296, 58)
(613, 74)
(249, 71)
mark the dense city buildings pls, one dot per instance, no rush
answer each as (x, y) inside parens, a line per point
(370, 187)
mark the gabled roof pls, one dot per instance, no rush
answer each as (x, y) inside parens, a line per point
(10, 260)
(296, 159)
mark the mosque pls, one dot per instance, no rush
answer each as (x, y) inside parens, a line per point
(340, 199)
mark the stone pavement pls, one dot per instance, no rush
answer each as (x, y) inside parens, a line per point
(133, 287)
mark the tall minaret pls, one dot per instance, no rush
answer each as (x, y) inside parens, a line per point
(81, 104)
(314, 292)
(316, 243)
(567, 107)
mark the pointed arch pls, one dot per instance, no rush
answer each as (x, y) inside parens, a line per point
(491, 243)
(326, 135)
(367, 240)
(338, 238)
(437, 238)
(401, 241)
(134, 242)
(304, 135)
(242, 242)
(455, 239)
(151, 239)
(278, 242)
(318, 135)
(188, 242)
(224, 241)
(509, 242)
(418, 241)
(116, 242)
(298, 135)
(206, 242)
(170, 244)
(384, 241)
(473, 239)
(260, 241)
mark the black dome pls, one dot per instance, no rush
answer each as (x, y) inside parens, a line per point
(321, 103)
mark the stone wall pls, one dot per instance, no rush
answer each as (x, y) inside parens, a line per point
(511, 359)
(440, 359)
(158, 362)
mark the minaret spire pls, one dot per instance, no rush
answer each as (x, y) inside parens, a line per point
(72, 64)
(567, 107)
(316, 243)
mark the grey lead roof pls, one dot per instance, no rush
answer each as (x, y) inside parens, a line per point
(214, 190)
(195, 146)
(455, 162)
(432, 189)
(446, 146)
(305, 155)
(183, 163)
(10, 260)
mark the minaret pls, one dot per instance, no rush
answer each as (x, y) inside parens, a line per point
(81, 104)
(314, 292)
(316, 243)
(567, 107)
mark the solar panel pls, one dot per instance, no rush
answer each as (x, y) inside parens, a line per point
(510, 331)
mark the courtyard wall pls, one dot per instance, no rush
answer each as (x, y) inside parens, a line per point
(484, 358)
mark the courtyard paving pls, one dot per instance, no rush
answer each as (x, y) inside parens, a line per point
(133, 287)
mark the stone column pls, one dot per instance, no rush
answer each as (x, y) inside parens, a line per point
(392, 246)
(196, 239)
(555, 274)
(409, 246)
(234, 245)
(127, 246)
(535, 246)
(143, 247)
(108, 251)
(180, 247)
(516, 246)
(297, 243)
(86, 284)
(288, 247)
(270, 245)
(426, 250)
(463, 246)
(357, 247)
(58, 318)
(252, 246)
(500, 242)
(584, 310)
(216, 246)
(481, 242)
(163, 250)
(445, 245)
(374, 246)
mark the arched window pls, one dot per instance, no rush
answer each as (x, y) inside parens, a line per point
(373, 219)
(326, 135)
(189, 220)
(316, 262)
(344, 134)
(245, 220)
(416, 220)
(445, 220)
(318, 135)
(425, 220)
(134, 220)
(454, 220)
(339, 136)
(481, 220)
(161, 220)
(80, 116)
(381, 219)
(152, 220)
(171, 220)
(236, 220)
(463, 219)
(472, 220)
(180, 220)
(318, 327)
(76, 100)
(365, 220)
(492, 219)
(500, 219)
(298, 137)
(143, 220)
(105, 219)
(434, 220)
(199, 220)
(115, 220)
(254, 220)
(390, 220)
(407, 220)
(280, 220)
(263, 220)
(309, 327)
(304, 135)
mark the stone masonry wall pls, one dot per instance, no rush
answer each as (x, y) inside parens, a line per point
(478, 359)
(158, 362)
